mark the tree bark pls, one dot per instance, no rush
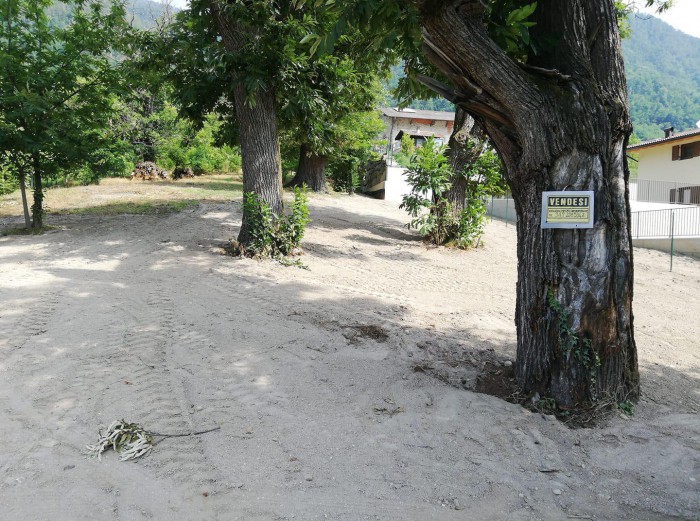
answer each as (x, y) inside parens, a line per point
(311, 170)
(25, 205)
(467, 142)
(260, 152)
(256, 114)
(562, 123)
(38, 206)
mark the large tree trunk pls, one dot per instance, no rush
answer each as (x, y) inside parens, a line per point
(256, 114)
(311, 170)
(559, 123)
(467, 142)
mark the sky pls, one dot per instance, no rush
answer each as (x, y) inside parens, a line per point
(684, 15)
(177, 3)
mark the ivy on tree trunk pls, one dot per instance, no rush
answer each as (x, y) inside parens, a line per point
(38, 206)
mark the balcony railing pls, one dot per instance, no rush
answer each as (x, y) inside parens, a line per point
(665, 191)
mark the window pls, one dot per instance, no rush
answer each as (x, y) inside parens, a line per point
(687, 151)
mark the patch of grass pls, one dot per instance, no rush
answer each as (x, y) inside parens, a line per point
(26, 231)
(132, 208)
(119, 195)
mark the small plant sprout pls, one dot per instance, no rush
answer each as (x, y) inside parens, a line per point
(626, 407)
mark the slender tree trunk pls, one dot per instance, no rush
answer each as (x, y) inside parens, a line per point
(311, 170)
(38, 206)
(559, 123)
(256, 114)
(25, 204)
(467, 142)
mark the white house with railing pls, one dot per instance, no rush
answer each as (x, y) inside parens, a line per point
(669, 168)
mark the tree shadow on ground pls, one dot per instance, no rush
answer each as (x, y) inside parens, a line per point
(379, 225)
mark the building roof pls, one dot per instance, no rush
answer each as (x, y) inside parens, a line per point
(418, 114)
(662, 140)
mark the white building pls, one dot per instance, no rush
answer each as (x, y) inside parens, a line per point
(669, 168)
(419, 124)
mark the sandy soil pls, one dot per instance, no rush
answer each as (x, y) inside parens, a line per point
(321, 415)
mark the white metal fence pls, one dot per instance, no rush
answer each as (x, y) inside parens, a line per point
(674, 222)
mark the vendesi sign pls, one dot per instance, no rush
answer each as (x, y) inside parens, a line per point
(567, 209)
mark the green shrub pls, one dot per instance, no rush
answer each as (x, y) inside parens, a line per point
(8, 182)
(408, 149)
(430, 177)
(274, 236)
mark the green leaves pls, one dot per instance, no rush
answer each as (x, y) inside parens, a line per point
(519, 16)
(56, 82)
(508, 23)
(271, 235)
(430, 177)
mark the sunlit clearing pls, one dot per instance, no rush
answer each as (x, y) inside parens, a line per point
(83, 263)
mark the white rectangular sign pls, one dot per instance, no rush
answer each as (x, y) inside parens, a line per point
(567, 209)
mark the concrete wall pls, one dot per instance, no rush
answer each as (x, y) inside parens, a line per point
(396, 186)
(689, 246)
(441, 129)
(501, 209)
(655, 164)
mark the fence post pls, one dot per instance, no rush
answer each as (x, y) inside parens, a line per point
(672, 233)
(491, 207)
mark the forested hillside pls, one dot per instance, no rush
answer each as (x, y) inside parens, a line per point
(663, 74)
(663, 77)
(144, 12)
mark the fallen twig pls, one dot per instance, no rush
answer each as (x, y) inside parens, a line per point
(196, 433)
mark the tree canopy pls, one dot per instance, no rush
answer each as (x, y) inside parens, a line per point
(58, 85)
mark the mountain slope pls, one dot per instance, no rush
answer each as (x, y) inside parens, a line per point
(145, 13)
(663, 77)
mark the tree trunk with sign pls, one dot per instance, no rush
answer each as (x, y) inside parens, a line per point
(559, 123)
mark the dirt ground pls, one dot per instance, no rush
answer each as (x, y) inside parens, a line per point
(343, 392)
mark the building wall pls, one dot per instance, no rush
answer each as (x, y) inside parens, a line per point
(441, 129)
(396, 185)
(655, 164)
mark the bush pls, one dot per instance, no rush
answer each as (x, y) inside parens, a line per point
(405, 155)
(274, 236)
(200, 152)
(430, 175)
(8, 181)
